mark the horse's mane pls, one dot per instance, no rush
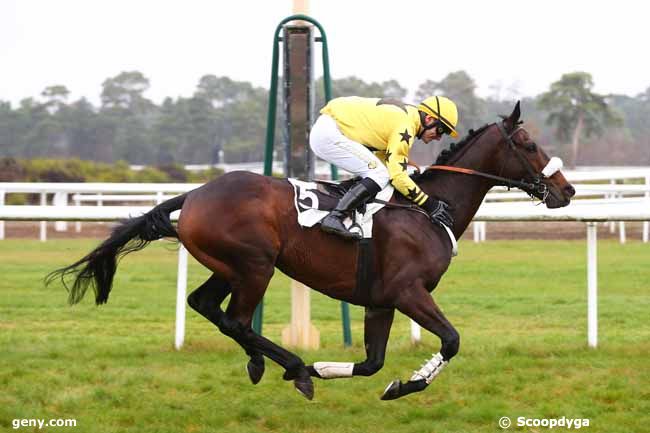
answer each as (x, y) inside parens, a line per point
(446, 154)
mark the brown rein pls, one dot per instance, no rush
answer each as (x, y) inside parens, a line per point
(510, 183)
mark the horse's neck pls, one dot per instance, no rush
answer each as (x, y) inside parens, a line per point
(463, 192)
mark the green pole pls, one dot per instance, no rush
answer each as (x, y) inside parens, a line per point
(270, 139)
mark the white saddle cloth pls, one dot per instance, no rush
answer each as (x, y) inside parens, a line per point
(309, 215)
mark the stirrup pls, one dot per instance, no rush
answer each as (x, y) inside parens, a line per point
(340, 230)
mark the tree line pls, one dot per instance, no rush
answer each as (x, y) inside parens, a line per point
(225, 118)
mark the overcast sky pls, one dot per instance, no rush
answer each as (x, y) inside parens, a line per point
(522, 45)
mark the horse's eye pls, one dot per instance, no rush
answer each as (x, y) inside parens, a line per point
(531, 147)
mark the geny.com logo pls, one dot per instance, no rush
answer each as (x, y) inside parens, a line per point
(41, 423)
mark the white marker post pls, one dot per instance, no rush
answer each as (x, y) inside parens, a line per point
(592, 286)
(646, 224)
(2, 223)
(77, 202)
(60, 199)
(181, 289)
(416, 335)
(43, 223)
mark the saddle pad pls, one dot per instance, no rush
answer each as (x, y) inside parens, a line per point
(312, 205)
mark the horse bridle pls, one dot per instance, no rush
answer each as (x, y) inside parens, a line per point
(533, 188)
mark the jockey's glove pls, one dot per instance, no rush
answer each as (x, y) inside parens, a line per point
(438, 212)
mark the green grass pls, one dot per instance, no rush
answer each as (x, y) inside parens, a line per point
(520, 307)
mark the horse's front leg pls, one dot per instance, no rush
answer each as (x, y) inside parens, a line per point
(377, 325)
(420, 307)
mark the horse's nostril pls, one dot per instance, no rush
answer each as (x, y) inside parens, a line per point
(570, 190)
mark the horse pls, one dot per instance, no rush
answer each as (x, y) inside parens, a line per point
(242, 226)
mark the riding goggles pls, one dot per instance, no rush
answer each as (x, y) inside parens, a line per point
(442, 129)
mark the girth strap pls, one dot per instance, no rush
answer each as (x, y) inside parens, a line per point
(364, 270)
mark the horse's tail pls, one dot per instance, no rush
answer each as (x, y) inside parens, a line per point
(98, 267)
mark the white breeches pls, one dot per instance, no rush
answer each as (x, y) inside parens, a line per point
(328, 143)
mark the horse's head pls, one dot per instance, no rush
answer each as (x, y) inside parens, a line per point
(520, 158)
(504, 153)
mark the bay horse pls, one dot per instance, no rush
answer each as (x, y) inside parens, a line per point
(242, 226)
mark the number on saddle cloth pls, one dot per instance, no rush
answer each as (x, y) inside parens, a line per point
(309, 196)
(324, 195)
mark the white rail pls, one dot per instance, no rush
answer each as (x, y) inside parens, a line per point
(580, 210)
(502, 194)
(121, 197)
(612, 191)
(61, 190)
(83, 187)
(82, 192)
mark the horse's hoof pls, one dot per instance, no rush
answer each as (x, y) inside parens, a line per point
(255, 371)
(392, 391)
(305, 386)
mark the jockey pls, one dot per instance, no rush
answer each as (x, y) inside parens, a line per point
(371, 138)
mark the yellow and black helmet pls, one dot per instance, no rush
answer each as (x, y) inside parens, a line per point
(442, 109)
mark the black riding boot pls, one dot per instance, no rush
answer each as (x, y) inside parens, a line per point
(355, 197)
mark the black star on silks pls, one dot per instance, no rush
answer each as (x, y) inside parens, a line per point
(404, 164)
(405, 136)
(413, 193)
(388, 155)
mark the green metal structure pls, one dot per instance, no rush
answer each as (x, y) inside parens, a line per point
(270, 140)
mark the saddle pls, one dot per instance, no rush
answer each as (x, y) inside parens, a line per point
(331, 192)
(314, 200)
(336, 189)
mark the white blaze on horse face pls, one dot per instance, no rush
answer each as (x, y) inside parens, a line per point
(430, 369)
(554, 165)
(331, 370)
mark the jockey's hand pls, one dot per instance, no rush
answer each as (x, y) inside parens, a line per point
(438, 212)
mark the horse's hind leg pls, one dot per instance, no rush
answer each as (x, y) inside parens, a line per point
(236, 323)
(206, 300)
(377, 324)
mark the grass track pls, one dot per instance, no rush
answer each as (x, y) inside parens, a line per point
(520, 307)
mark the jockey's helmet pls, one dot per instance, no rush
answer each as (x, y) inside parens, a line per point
(443, 109)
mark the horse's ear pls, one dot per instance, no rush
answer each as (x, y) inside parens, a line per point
(513, 119)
